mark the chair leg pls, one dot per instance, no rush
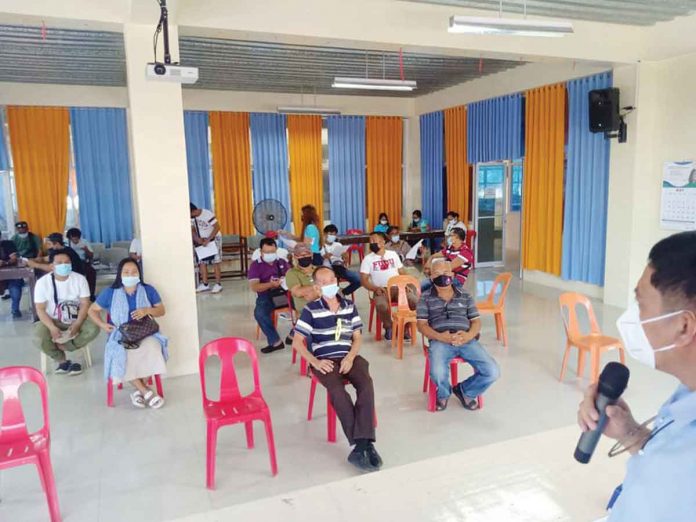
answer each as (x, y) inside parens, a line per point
(378, 328)
(120, 386)
(426, 375)
(432, 395)
(565, 361)
(372, 315)
(396, 328)
(110, 393)
(87, 355)
(294, 356)
(581, 362)
(414, 334)
(622, 355)
(503, 328)
(304, 369)
(249, 427)
(312, 393)
(330, 420)
(211, 445)
(44, 363)
(270, 441)
(497, 326)
(258, 332)
(47, 478)
(454, 374)
(595, 365)
(158, 385)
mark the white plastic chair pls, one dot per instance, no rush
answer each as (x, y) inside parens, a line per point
(85, 353)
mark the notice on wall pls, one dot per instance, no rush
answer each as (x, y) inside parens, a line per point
(679, 196)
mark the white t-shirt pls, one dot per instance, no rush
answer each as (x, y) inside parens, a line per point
(79, 248)
(381, 268)
(69, 293)
(333, 249)
(206, 223)
(450, 226)
(136, 247)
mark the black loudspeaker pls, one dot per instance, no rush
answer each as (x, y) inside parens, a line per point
(604, 110)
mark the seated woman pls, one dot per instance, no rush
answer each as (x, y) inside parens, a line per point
(130, 298)
(383, 225)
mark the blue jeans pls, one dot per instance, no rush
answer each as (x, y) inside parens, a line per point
(427, 284)
(15, 288)
(352, 277)
(486, 370)
(263, 313)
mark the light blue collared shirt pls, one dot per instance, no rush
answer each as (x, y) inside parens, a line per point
(660, 483)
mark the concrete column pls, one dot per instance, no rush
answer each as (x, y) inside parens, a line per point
(158, 151)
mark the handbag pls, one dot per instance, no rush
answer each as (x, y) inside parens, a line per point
(136, 330)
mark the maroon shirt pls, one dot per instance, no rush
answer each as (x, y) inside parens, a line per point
(264, 272)
(465, 254)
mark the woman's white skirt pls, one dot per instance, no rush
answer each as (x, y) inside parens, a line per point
(145, 360)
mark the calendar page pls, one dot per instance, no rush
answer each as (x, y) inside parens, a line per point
(679, 196)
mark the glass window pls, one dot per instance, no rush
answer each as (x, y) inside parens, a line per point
(516, 188)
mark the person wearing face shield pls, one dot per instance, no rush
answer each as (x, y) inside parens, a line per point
(266, 277)
(658, 330)
(448, 317)
(328, 335)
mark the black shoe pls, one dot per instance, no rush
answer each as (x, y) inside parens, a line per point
(407, 336)
(441, 404)
(271, 348)
(63, 367)
(75, 369)
(288, 340)
(5, 297)
(361, 460)
(471, 404)
(375, 459)
(387, 334)
(16, 315)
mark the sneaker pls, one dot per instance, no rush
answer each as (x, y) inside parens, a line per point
(202, 288)
(75, 369)
(469, 404)
(361, 460)
(387, 334)
(217, 288)
(16, 314)
(271, 349)
(375, 459)
(63, 367)
(441, 405)
(6, 296)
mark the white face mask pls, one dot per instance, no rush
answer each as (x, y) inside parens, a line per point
(634, 338)
(383, 221)
(395, 239)
(330, 238)
(270, 258)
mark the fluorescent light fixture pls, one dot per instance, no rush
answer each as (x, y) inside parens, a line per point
(509, 26)
(307, 110)
(374, 84)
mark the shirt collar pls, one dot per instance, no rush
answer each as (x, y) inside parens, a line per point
(457, 291)
(342, 303)
(681, 406)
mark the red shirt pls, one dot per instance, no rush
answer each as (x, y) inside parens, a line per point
(467, 257)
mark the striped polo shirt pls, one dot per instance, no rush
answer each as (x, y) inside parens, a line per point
(445, 316)
(329, 335)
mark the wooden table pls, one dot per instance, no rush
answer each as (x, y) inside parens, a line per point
(22, 272)
(407, 236)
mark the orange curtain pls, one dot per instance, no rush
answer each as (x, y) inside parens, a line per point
(40, 140)
(384, 143)
(543, 183)
(458, 182)
(306, 181)
(232, 171)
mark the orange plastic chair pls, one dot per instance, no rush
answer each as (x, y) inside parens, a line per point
(276, 315)
(403, 316)
(497, 308)
(358, 247)
(594, 342)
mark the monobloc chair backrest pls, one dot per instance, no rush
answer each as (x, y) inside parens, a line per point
(503, 281)
(354, 232)
(470, 238)
(401, 282)
(225, 349)
(569, 302)
(13, 425)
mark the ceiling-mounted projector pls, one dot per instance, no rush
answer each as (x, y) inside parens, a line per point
(167, 72)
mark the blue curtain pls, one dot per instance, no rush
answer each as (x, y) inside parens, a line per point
(495, 129)
(586, 187)
(198, 158)
(269, 147)
(347, 171)
(100, 142)
(4, 165)
(432, 162)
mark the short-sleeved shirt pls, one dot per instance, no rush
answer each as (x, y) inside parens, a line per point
(79, 249)
(463, 253)
(402, 248)
(382, 228)
(295, 277)
(332, 248)
(449, 226)
(136, 247)
(264, 272)
(445, 316)
(29, 246)
(106, 296)
(7, 248)
(329, 335)
(67, 294)
(381, 268)
(422, 224)
(205, 223)
(312, 232)
(659, 483)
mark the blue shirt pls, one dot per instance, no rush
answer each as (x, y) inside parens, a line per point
(312, 232)
(382, 228)
(329, 335)
(106, 296)
(659, 483)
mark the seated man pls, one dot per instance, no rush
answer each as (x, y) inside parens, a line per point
(458, 254)
(448, 317)
(82, 248)
(299, 282)
(328, 336)
(452, 221)
(396, 244)
(9, 258)
(266, 277)
(28, 244)
(335, 257)
(375, 271)
(62, 302)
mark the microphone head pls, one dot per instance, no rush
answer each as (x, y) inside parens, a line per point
(613, 380)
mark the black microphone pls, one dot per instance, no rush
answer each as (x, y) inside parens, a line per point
(612, 383)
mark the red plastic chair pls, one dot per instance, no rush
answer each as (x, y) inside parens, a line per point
(470, 240)
(232, 407)
(430, 387)
(358, 247)
(110, 389)
(17, 445)
(330, 411)
(375, 316)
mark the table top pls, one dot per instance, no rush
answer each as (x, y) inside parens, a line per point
(408, 236)
(16, 272)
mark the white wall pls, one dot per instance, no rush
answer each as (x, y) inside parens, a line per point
(62, 95)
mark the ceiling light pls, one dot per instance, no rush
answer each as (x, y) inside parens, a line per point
(308, 110)
(509, 26)
(374, 84)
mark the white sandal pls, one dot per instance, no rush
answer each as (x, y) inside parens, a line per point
(137, 399)
(153, 400)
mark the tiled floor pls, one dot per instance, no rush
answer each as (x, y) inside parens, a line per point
(115, 464)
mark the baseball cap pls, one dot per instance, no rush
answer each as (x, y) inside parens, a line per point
(301, 249)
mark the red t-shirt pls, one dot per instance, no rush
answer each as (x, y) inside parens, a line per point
(465, 254)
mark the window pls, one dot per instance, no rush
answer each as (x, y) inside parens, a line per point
(516, 188)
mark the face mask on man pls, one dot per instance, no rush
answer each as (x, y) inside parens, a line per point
(374, 247)
(395, 239)
(304, 262)
(450, 219)
(329, 291)
(634, 338)
(270, 258)
(449, 241)
(63, 269)
(442, 281)
(24, 235)
(330, 238)
(416, 220)
(130, 281)
(383, 221)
